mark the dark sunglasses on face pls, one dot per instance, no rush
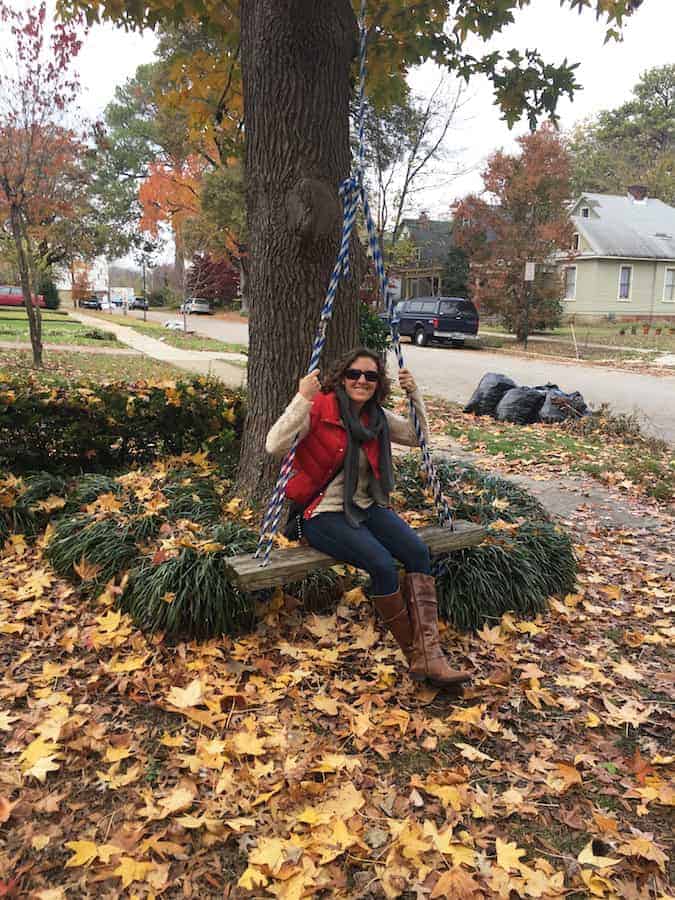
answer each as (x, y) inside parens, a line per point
(355, 374)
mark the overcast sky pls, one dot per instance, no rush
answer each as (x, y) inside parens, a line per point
(607, 73)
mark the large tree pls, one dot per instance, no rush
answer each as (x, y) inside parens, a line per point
(297, 75)
(633, 144)
(522, 217)
(42, 170)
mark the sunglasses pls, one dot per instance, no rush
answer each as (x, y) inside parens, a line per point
(355, 374)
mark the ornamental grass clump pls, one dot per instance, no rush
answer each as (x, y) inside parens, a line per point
(525, 559)
(94, 549)
(193, 498)
(188, 595)
(27, 503)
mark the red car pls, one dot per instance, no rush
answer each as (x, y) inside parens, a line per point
(13, 296)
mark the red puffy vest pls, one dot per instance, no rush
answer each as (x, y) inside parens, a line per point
(320, 453)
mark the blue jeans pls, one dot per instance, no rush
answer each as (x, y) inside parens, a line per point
(373, 546)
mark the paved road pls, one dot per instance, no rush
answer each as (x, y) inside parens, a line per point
(453, 374)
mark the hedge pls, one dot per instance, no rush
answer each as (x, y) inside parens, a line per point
(102, 427)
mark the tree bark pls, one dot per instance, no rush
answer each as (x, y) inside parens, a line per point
(32, 312)
(296, 57)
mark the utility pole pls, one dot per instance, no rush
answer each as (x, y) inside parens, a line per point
(145, 296)
(529, 278)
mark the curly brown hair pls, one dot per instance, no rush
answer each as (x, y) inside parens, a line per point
(335, 374)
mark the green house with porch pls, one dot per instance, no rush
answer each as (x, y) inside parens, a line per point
(622, 261)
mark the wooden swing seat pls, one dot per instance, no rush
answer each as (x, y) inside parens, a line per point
(294, 563)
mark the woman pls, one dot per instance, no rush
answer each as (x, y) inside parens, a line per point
(341, 483)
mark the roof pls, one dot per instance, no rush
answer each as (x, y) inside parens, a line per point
(622, 227)
(432, 236)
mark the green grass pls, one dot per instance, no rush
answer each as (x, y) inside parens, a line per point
(65, 367)
(56, 331)
(172, 338)
(609, 333)
(17, 313)
(600, 446)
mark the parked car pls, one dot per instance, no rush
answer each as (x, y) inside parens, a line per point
(138, 303)
(198, 306)
(447, 320)
(90, 303)
(107, 305)
(117, 302)
(13, 296)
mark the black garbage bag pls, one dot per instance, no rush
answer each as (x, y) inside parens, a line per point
(491, 388)
(546, 387)
(559, 406)
(520, 405)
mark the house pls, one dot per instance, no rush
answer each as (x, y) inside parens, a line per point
(431, 240)
(83, 280)
(622, 264)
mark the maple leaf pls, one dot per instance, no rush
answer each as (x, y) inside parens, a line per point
(325, 705)
(245, 743)
(470, 753)
(86, 570)
(183, 698)
(646, 849)
(587, 857)
(84, 852)
(179, 799)
(130, 870)
(252, 878)
(455, 884)
(508, 855)
(563, 778)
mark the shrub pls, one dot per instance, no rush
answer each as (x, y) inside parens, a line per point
(374, 333)
(49, 291)
(97, 334)
(97, 427)
(525, 558)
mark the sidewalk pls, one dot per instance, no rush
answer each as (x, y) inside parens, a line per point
(225, 366)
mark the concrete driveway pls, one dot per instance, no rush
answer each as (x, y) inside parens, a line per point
(454, 373)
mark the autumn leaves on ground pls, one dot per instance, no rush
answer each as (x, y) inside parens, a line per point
(298, 760)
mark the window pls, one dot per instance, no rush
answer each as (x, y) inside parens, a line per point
(570, 282)
(449, 308)
(414, 307)
(575, 241)
(625, 278)
(669, 286)
(429, 307)
(585, 212)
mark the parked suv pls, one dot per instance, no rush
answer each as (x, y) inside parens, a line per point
(90, 303)
(138, 303)
(443, 319)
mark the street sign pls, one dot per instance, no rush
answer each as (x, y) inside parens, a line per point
(529, 271)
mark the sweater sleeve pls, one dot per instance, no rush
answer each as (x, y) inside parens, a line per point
(293, 420)
(402, 431)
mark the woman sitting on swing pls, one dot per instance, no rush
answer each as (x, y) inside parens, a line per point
(340, 488)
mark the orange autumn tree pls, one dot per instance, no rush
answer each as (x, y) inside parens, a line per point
(170, 195)
(522, 216)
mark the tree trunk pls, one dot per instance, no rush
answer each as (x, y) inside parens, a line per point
(296, 57)
(32, 312)
(179, 260)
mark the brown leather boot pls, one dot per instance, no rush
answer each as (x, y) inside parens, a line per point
(394, 612)
(428, 660)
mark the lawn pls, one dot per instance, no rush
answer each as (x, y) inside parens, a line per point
(173, 338)
(55, 330)
(606, 333)
(607, 447)
(64, 367)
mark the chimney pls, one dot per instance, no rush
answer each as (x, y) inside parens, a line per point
(424, 219)
(638, 192)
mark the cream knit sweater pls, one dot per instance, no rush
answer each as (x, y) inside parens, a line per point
(295, 420)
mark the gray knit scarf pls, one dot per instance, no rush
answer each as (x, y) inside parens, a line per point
(357, 435)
